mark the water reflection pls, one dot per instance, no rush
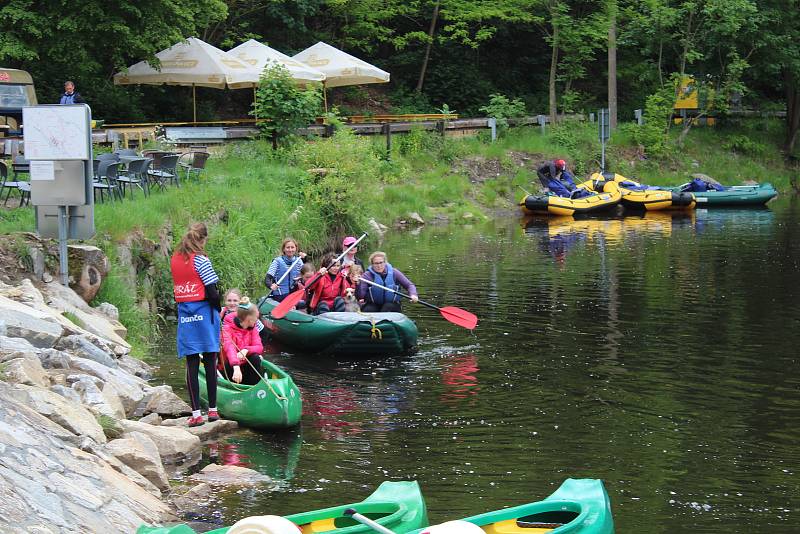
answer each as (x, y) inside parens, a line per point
(276, 455)
(460, 381)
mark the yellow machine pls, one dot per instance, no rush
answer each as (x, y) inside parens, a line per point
(16, 91)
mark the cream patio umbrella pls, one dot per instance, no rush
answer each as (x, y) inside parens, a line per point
(257, 56)
(340, 68)
(191, 63)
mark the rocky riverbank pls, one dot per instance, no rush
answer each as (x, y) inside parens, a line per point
(86, 444)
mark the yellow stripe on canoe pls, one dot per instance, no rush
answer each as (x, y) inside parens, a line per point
(510, 526)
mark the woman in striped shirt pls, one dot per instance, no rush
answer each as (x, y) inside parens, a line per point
(195, 289)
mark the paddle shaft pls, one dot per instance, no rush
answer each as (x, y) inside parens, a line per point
(282, 278)
(367, 521)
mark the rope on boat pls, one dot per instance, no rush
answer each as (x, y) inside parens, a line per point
(375, 331)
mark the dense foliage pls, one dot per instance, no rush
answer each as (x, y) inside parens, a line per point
(552, 54)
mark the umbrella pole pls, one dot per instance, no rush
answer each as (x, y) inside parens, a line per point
(325, 95)
(194, 103)
(255, 109)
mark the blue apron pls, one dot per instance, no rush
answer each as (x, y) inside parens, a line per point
(198, 328)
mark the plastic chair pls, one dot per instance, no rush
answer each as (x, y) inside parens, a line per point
(126, 152)
(106, 181)
(195, 162)
(24, 188)
(136, 175)
(167, 172)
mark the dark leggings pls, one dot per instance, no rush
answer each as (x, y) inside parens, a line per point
(338, 306)
(386, 307)
(193, 383)
(250, 376)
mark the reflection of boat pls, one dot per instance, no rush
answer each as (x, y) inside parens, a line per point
(555, 205)
(346, 333)
(579, 506)
(398, 506)
(641, 197)
(272, 403)
(275, 455)
(459, 378)
(736, 196)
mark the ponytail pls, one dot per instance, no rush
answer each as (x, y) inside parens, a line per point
(194, 240)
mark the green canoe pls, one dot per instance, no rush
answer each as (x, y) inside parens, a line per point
(398, 506)
(342, 333)
(735, 196)
(579, 506)
(272, 403)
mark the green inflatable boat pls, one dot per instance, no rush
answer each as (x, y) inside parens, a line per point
(272, 403)
(579, 506)
(733, 196)
(342, 333)
(398, 506)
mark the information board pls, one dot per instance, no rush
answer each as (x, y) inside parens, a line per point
(57, 132)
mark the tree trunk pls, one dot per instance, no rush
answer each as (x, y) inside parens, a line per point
(431, 31)
(792, 112)
(660, 57)
(553, 71)
(612, 65)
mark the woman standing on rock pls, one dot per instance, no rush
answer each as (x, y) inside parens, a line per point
(195, 288)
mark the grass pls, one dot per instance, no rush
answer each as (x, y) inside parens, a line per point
(74, 319)
(110, 426)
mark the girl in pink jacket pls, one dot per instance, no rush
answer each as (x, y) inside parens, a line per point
(241, 344)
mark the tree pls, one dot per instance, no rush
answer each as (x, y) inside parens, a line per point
(282, 106)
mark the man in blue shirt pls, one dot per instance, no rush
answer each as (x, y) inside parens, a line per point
(71, 96)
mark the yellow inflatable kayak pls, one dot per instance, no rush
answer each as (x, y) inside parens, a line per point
(639, 197)
(602, 200)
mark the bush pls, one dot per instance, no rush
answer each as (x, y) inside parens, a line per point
(741, 144)
(653, 134)
(284, 106)
(502, 108)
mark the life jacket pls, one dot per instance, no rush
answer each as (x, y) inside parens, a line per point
(187, 284)
(283, 265)
(378, 295)
(326, 290)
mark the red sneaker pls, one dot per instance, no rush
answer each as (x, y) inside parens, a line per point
(196, 421)
(213, 415)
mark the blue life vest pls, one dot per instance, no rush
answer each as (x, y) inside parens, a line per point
(378, 295)
(283, 265)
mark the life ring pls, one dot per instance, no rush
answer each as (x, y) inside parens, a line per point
(264, 524)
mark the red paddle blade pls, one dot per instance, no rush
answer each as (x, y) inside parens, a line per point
(458, 316)
(286, 305)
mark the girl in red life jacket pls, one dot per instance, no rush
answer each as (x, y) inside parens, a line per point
(329, 288)
(241, 344)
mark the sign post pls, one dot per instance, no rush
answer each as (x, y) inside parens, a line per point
(604, 132)
(58, 143)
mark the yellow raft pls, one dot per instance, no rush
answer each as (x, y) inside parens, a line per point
(636, 197)
(602, 200)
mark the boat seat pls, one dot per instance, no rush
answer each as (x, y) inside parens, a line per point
(350, 317)
(321, 525)
(511, 526)
(264, 524)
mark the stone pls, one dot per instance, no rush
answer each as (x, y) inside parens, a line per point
(37, 259)
(229, 475)
(415, 218)
(376, 227)
(88, 265)
(27, 370)
(58, 409)
(99, 451)
(129, 388)
(140, 453)
(8, 356)
(96, 399)
(68, 393)
(174, 444)
(2, 328)
(194, 499)
(109, 310)
(39, 328)
(467, 215)
(83, 348)
(151, 419)
(15, 344)
(135, 366)
(55, 359)
(212, 429)
(161, 400)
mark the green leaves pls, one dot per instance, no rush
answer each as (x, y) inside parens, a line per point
(282, 105)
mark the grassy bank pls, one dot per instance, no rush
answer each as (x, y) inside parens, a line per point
(319, 191)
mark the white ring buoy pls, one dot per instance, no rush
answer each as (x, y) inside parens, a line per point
(264, 524)
(454, 527)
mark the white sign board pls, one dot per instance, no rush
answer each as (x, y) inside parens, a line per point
(43, 170)
(57, 132)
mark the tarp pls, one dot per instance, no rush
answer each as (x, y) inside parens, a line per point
(257, 55)
(191, 62)
(340, 68)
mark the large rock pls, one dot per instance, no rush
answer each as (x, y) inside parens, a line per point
(161, 400)
(15, 344)
(3, 330)
(207, 431)
(140, 453)
(50, 486)
(82, 347)
(174, 444)
(102, 401)
(230, 475)
(109, 310)
(55, 359)
(135, 367)
(38, 327)
(88, 266)
(27, 370)
(129, 388)
(50, 404)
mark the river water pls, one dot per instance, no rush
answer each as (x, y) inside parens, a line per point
(657, 353)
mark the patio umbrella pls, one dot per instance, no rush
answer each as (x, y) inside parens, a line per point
(258, 55)
(191, 63)
(340, 68)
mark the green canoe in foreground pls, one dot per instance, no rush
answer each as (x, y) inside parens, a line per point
(579, 506)
(272, 403)
(342, 333)
(737, 195)
(398, 506)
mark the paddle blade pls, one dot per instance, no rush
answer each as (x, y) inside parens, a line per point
(286, 305)
(458, 316)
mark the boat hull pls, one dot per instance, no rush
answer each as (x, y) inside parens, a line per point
(646, 199)
(398, 506)
(579, 506)
(737, 196)
(274, 402)
(346, 334)
(555, 205)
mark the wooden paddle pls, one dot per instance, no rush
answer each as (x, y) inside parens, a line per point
(280, 311)
(455, 315)
(364, 520)
(285, 275)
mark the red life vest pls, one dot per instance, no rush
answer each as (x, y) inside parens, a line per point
(326, 290)
(187, 285)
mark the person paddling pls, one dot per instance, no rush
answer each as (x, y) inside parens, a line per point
(280, 265)
(197, 296)
(382, 272)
